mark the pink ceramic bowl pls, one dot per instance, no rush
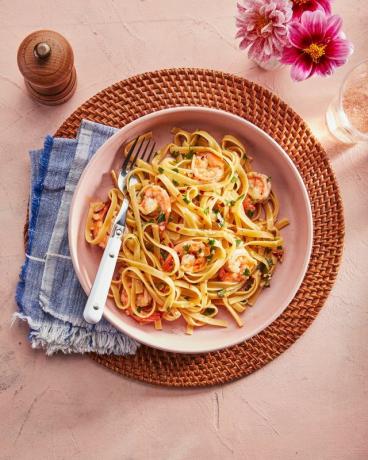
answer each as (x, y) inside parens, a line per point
(269, 158)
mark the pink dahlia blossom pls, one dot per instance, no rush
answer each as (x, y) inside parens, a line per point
(299, 6)
(317, 45)
(263, 27)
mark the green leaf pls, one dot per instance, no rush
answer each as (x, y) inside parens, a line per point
(246, 272)
(175, 182)
(161, 218)
(229, 202)
(186, 199)
(238, 242)
(176, 170)
(233, 179)
(186, 247)
(209, 311)
(250, 213)
(175, 154)
(160, 170)
(188, 155)
(211, 242)
(206, 211)
(221, 293)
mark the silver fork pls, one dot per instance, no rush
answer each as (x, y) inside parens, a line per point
(95, 305)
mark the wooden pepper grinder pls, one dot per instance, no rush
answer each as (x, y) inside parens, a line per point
(46, 61)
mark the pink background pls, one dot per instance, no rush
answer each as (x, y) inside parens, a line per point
(311, 403)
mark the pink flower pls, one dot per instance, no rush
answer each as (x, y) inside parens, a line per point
(263, 27)
(299, 6)
(317, 45)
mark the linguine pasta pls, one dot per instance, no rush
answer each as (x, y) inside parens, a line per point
(202, 233)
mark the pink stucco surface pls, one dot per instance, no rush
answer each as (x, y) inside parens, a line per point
(309, 404)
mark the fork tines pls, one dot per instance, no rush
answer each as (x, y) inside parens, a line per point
(135, 150)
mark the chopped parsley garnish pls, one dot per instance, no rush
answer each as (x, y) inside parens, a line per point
(238, 242)
(188, 155)
(246, 272)
(176, 170)
(229, 202)
(206, 210)
(164, 254)
(160, 170)
(186, 247)
(233, 178)
(161, 218)
(186, 199)
(211, 242)
(175, 154)
(209, 258)
(250, 213)
(209, 311)
(221, 293)
(240, 197)
(139, 309)
(175, 182)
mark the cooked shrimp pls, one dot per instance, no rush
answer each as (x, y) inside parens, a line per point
(156, 202)
(193, 255)
(239, 266)
(208, 167)
(142, 300)
(142, 296)
(259, 186)
(99, 213)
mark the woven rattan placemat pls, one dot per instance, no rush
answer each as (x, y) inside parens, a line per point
(129, 99)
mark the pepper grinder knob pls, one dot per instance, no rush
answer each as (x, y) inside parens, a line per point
(42, 50)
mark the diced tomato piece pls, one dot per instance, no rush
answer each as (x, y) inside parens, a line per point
(168, 265)
(222, 274)
(151, 319)
(248, 205)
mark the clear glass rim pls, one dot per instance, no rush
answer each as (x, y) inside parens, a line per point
(354, 131)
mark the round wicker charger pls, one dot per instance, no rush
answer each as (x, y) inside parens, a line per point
(129, 99)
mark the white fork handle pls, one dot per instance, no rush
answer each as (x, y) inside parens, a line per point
(95, 305)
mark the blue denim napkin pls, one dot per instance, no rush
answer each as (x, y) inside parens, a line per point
(49, 296)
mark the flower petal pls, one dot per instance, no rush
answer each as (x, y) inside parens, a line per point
(325, 68)
(298, 35)
(290, 55)
(315, 23)
(301, 69)
(334, 24)
(326, 5)
(339, 49)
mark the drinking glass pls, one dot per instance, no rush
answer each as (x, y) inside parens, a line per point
(347, 115)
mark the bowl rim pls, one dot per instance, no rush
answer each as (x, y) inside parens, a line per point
(108, 315)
